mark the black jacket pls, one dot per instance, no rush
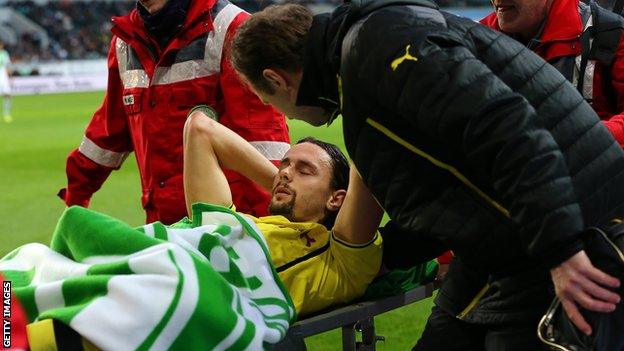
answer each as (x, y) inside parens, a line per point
(469, 140)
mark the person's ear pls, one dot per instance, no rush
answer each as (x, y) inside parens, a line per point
(335, 201)
(275, 79)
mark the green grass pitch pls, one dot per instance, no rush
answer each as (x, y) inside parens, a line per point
(32, 169)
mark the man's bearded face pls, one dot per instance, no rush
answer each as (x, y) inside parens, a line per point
(287, 205)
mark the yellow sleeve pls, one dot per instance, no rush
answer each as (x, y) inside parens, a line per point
(334, 276)
(357, 264)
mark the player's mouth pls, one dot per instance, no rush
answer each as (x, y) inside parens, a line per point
(282, 189)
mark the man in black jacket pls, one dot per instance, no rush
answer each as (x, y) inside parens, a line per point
(469, 141)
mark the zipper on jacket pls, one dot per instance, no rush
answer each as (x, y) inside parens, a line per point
(475, 300)
(387, 132)
(150, 48)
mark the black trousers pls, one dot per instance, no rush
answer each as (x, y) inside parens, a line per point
(445, 332)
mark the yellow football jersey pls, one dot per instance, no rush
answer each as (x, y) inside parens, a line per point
(318, 269)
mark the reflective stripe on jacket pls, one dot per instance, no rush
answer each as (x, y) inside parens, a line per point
(150, 91)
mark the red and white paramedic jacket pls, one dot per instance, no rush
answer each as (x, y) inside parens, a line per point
(150, 91)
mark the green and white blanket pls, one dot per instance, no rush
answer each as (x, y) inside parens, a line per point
(206, 285)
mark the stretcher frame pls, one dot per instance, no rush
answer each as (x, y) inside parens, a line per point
(352, 319)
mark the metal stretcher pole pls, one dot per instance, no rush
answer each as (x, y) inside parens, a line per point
(369, 338)
(348, 338)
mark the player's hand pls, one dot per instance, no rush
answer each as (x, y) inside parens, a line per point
(579, 283)
(442, 270)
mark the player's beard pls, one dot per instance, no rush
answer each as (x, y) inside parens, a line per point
(284, 208)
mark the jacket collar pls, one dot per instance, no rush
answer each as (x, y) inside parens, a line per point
(318, 85)
(131, 26)
(321, 66)
(165, 23)
(563, 23)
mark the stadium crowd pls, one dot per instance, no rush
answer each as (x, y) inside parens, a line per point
(77, 30)
(81, 29)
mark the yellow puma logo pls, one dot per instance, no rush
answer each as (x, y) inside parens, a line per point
(395, 64)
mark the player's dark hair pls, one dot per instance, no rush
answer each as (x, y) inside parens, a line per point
(272, 38)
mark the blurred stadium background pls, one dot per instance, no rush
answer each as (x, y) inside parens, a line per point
(67, 37)
(59, 53)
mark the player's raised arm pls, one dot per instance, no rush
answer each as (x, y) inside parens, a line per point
(210, 146)
(360, 213)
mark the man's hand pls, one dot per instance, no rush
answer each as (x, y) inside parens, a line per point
(442, 270)
(578, 282)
